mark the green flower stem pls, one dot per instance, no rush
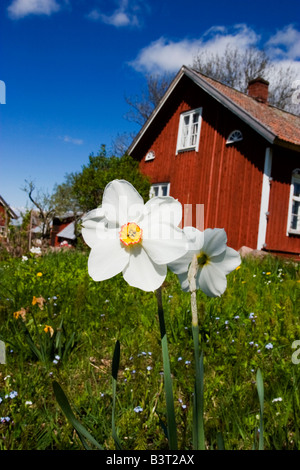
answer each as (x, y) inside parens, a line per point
(198, 434)
(172, 433)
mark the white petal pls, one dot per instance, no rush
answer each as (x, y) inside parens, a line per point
(121, 202)
(227, 261)
(107, 259)
(211, 280)
(181, 265)
(183, 279)
(195, 238)
(93, 224)
(163, 209)
(195, 241)
(165, 243)
(214, 241)
(141, 272)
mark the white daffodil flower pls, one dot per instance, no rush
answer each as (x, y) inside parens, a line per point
(215, 261)
(125, 235)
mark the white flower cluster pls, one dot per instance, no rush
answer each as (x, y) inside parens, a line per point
(143, 240)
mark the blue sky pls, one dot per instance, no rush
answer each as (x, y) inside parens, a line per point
(68, 64)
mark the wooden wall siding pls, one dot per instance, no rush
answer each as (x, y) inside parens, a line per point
(283, 163)
(227, 179)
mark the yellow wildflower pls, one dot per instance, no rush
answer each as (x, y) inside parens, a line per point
(20, 313)
(268, 274)
(39, 274)
(38, 300)
(49, 329)
(237, 268)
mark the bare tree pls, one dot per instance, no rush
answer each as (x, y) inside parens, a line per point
(144, 103)
(45, 208)
(236, 67)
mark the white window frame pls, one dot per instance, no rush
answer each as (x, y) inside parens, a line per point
(159, 187)
(182, 147)
(234, 136)
(293, 198)
(150, 156)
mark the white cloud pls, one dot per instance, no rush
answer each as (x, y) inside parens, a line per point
(285, 44)
(21, 8)
(124, 15)
(71, 140)
(165, 55)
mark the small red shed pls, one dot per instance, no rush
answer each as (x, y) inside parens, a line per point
(6, 214)
(209, 145)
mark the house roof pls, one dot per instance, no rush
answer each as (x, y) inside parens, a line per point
(12, 214)
(275, 125)
(68, 232)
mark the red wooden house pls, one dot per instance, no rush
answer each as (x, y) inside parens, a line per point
(207, 143)
(6, 214)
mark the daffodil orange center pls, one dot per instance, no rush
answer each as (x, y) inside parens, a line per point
(130, 234)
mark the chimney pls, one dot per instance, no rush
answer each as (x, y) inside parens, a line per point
(258, 89)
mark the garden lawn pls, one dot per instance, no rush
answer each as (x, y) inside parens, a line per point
(58, 324)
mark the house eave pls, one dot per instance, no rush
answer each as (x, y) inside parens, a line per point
(268, 135)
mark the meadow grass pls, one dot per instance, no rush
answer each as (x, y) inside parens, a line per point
(252, 326)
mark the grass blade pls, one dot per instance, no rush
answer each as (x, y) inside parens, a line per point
(260, 391)
(114, 373)
(198, 427)
(66, 408)
(172, 432)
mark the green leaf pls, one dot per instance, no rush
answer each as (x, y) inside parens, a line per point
(260, 391)
(114, 373)
(66, 408)
(116, 360)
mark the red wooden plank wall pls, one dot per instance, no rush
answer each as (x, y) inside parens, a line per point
(225, 178)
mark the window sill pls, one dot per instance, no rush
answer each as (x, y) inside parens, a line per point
(188, 149)
(293, 232)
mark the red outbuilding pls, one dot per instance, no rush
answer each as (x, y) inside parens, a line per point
(229, 153)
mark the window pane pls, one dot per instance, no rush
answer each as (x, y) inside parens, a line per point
(295, 222)
(297, 188)
(155, 190)
(164, 190)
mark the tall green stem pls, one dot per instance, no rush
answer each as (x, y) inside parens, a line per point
(172, 433)
(198, 434)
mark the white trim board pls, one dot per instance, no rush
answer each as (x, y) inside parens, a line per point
(264, 203)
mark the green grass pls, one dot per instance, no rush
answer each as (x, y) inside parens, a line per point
(88, 318)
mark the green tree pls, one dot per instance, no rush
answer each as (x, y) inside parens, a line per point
(85, 189)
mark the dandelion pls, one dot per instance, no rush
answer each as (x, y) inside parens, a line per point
(39, 274)
(214, 261)
(125, 235)
(237, 268)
